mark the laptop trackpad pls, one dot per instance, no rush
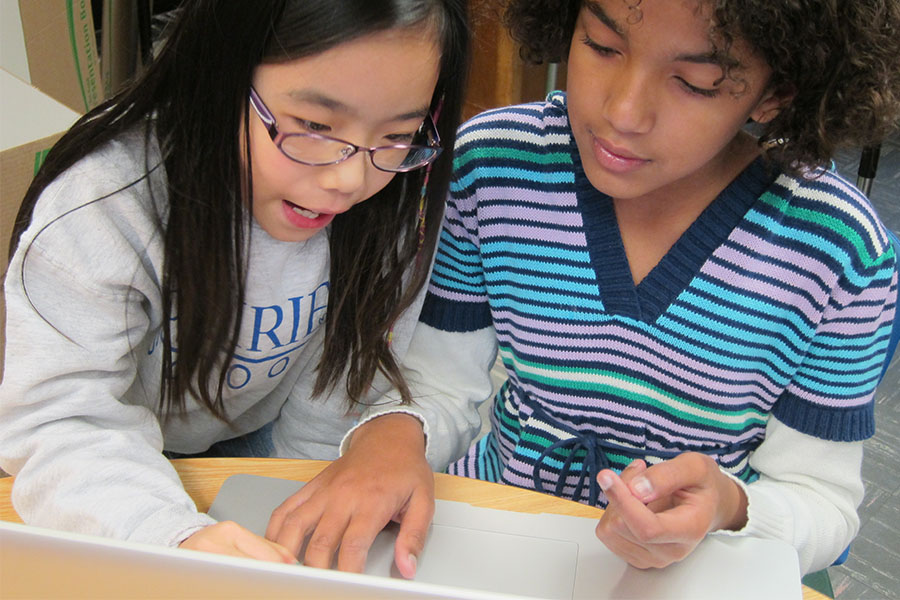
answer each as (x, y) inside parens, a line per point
(454, 555)
(485, 560)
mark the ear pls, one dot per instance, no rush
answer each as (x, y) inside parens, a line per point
(770, 105)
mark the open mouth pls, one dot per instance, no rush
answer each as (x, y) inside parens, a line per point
(304, 212)
(304, 218)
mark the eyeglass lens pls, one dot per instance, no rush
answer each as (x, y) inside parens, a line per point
(322, 150)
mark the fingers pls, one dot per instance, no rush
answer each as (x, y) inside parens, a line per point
(625, 510)
(342, 518)
(657, 515)
(382, 475)
(257, 547)
(230, 538)
(413, 534)
(663, 479)
(337, 530)
(634, 532)
(645, 556)
(294, 520)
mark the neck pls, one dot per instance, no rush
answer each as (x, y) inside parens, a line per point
(650, 225)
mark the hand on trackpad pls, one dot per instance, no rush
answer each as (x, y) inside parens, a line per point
(485, 560)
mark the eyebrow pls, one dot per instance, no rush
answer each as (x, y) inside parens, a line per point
(335, 105)
(703, 58)
(598, 12)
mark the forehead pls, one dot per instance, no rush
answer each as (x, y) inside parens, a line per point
(681, 27)
(622, 16)
(381, 75)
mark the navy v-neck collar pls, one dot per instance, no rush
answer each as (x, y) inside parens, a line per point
(653, 295)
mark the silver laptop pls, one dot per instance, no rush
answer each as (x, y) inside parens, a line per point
(542, 556)
(472, 553)
(43, 564)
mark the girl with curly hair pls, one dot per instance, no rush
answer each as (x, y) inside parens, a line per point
(692, 313)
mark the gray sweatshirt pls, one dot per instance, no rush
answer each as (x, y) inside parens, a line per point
(79, 426)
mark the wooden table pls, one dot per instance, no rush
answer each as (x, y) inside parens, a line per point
(202, 478)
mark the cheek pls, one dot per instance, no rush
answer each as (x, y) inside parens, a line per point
(272, 171)
(377, 182)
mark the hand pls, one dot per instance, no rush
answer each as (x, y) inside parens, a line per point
(658, 515)
(230, 538)
(382, 476)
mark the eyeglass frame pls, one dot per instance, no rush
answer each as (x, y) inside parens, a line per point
(268, 119)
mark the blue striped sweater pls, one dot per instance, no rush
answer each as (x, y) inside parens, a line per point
(776, 300)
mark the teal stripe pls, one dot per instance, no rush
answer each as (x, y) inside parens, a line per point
(717, 318)
(530, 297)
(584, 313)
(666, 326)
(816, 241)
(474, 288)
(534, 178)
(498, 151)
(735, 341)
(838, 226)
(550, 253)
(786, 313)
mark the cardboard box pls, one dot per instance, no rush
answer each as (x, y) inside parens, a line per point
(30, 123)
(51, 44)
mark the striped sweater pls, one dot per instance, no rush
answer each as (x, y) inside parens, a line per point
(777, 300)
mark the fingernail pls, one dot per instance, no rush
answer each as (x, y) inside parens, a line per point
(414, 562)
(642, 486)
(605, 481)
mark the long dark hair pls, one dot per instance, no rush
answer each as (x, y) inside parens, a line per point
(193, 97)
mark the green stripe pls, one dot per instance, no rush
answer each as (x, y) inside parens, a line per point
(560, 158)
(748, 416)
(39, 157)
(829, 222)
(580, 453)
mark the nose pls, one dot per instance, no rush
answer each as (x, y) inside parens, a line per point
(629, 101)
(346, 177)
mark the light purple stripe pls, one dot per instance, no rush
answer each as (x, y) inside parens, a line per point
(610, 339)
(526, 196)
(541, 219)
(842, 402)
(758, 246)
(611, 412)
(783, 294)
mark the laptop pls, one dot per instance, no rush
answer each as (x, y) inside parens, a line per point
(542, 556)
(472, 553)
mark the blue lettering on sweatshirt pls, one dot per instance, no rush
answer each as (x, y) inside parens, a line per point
(277, 332)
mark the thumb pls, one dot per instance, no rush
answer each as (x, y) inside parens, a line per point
(664, 479)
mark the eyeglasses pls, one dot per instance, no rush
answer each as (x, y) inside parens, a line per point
(318, 150)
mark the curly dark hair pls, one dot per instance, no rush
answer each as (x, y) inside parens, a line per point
(839, 59)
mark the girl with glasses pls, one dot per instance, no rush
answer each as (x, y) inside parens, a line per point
(692, 313)
(250, 222)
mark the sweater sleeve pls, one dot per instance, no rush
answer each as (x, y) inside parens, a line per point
(807, 494)
(853, 287)
(84, 460)
(449, 376)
